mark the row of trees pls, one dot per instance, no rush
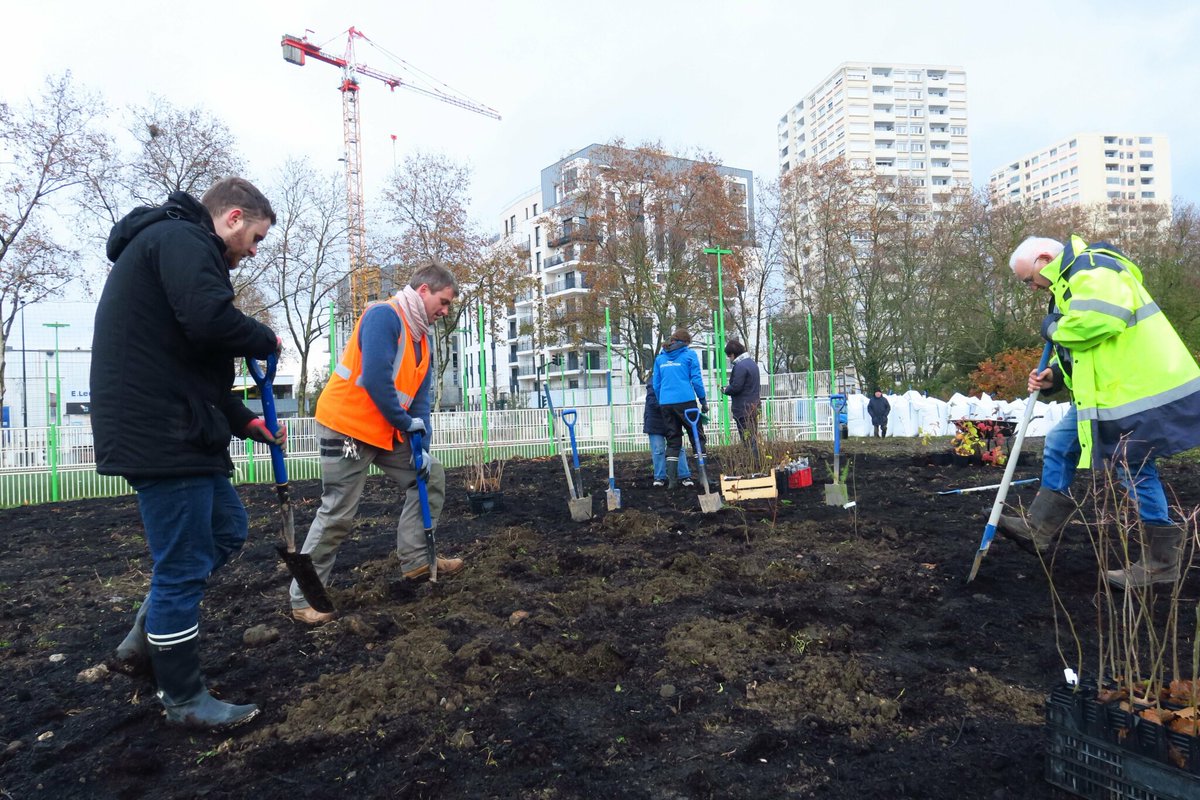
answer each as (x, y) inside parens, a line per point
(71, 167)
(917, 297)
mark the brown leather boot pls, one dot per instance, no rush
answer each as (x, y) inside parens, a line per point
(446, 568)
(1160, 561)
(1048, 515)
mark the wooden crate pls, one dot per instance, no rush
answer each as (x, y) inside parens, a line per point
(735, 488)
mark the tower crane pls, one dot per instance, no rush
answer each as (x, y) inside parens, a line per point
(365, 279)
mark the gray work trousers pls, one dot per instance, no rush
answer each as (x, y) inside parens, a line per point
(343, 478)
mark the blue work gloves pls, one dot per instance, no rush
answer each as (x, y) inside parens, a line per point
(256, 429)
(415, 425)
(423, 471)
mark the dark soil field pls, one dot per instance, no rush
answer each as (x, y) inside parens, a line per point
(771, 650)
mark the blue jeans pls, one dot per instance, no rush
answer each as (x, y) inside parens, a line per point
(193, 525)
(1061, 455)
(658, 457)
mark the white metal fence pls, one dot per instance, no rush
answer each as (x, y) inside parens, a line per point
(27, 474)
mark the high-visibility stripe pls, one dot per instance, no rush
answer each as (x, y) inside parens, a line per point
(168, 639)
(342, 371)
(1142, 404)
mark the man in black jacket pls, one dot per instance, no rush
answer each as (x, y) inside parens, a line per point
(879, 408)
(163, 411)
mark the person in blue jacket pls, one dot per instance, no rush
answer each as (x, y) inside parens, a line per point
(655, 427)
(678, 386)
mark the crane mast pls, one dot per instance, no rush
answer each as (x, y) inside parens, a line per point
(366, 282)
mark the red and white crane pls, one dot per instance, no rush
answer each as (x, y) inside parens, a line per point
(365, 283)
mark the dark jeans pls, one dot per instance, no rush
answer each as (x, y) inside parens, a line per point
(193, 526)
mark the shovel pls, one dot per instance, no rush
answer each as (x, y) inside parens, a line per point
(414, 442)
(614, 494)
(989, 486)
(300, 565)
(989, 532)
(562, 451)
(580, 504)
(710, 502)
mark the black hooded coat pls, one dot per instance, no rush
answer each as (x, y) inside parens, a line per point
(166, 338)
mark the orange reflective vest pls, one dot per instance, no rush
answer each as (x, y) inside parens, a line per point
(345, 406)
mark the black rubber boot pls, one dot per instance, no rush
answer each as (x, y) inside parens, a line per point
(183, 694)
(1160, 561)
(133, 653)
(1048, 514)
(672, 473)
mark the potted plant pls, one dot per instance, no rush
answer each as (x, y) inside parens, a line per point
(967, 443)
(1127, 718)
(483, 484)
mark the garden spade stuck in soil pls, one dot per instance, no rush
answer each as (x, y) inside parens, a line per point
(300, 565)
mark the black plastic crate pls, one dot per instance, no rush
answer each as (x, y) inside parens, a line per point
(1103, 752)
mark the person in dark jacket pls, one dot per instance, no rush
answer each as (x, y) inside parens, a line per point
(166, 337)
(744, 393)
(878, 408)
(678, 386)
(655, 427)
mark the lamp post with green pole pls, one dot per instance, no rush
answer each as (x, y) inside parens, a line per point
(720, 335)
(54, 488)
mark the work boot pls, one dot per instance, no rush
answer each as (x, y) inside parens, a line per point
(446, 568)
(672, 473)
(183, 694)
(133, 653)
(1048, 515)
(1160, 561)
(310, 616)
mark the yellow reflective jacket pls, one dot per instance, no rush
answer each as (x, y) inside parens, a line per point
(1135, 385)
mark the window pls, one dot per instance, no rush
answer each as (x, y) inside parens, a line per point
(535, 209)
(512, 223)
(538, 255)
(537, 235)
(1147, 167)
(1145, 154)
(1147, 195)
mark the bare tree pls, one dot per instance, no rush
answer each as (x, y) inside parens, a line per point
(173, 149)
(304, 259)
(639, 219)
(47, 145)
(425, 201)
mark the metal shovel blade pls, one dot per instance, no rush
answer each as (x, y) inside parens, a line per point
(305, 573)
(614, 499)
(581, 508)
(710, 502)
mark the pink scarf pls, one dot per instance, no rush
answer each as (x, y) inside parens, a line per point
(414, 311)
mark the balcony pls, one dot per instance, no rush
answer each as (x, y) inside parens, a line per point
(552, 262)
(566, 284)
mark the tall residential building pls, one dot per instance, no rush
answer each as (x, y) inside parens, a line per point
(1089, 168)
(524, 353)
(906, 120)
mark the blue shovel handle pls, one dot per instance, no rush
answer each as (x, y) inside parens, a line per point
(569, 416)
(414, 442)
(692, 415)
(264, 381)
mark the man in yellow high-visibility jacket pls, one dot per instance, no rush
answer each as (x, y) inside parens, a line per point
(1136, 393)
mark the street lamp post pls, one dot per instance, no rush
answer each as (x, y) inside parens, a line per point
(54, 488)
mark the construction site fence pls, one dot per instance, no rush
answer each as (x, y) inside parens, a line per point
(51, 464)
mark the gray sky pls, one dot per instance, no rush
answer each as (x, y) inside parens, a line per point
(691, 74)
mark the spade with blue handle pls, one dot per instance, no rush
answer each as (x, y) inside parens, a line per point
(989, 532)
(300, 565)
(414, 441)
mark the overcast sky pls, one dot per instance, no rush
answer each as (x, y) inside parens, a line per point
(691, 74)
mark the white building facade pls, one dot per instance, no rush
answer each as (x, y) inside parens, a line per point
(1089, 168)
(903, 120)
(523, 357)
